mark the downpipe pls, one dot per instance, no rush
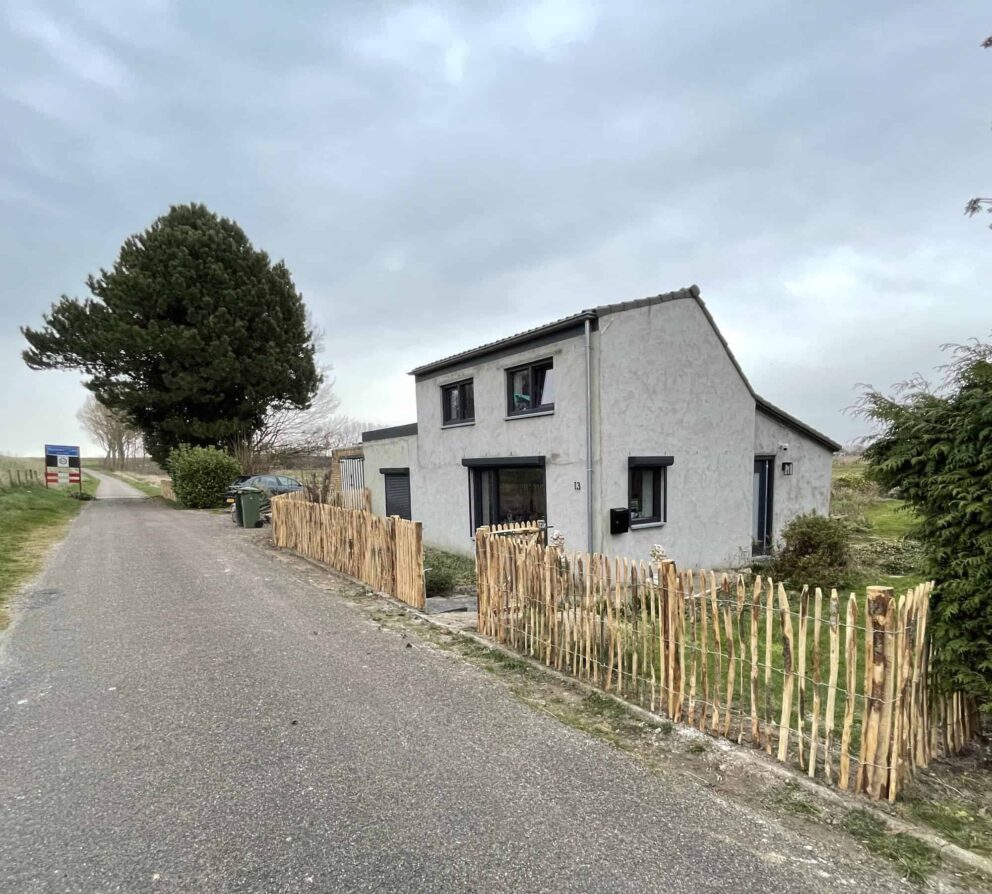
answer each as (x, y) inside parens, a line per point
(588, 338)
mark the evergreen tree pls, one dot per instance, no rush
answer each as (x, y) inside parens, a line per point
(936, 448)
(194, 335)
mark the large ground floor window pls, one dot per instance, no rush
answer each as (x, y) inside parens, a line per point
(501, 494)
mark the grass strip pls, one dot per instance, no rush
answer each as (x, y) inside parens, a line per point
(32, 518)
(915, 860)
(960, 823)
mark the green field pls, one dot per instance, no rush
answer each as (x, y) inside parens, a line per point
(873, 514)
(32, 518)
(879, 527)
(890, 519)
(12, 466)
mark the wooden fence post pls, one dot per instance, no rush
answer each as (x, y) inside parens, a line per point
(877, 708)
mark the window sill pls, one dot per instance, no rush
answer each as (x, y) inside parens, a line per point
(636, 526)
(530, 415)
(464, 424)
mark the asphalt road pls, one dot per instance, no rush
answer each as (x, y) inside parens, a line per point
(182, 711)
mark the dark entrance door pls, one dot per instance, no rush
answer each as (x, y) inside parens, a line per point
(398, 493)
(761, 509)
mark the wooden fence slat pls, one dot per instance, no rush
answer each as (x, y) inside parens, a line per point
(814, 728)
(741, 658)
(801, 675)
(897, 746)
(851, 683)
(680, 640)
(788, 682)
(704, 655)
(686, 583)
(828, 721)
(717, 656)
(755, 612)
(731, 653)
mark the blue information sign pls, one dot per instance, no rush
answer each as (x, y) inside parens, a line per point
(62, 463)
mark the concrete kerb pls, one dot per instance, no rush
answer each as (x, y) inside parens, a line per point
(959, 855)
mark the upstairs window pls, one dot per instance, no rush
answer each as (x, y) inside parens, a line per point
(530, 389)
(458, 403)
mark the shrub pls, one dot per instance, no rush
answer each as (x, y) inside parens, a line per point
(200, 475)
(889, 556)
(816, 551)
(462, 568)
(439, 580)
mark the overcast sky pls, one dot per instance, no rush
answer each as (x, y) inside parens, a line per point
(440, 175)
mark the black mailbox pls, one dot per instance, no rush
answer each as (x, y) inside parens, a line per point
(619, 521)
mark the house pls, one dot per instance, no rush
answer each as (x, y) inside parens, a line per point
(621, 426)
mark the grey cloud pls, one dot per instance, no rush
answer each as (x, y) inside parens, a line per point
(437, 175)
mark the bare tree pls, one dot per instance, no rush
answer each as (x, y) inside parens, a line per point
(119, 439)
(287, 435)
(980, 203)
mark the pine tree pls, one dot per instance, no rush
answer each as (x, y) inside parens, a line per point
(935, 446)
(193, 334)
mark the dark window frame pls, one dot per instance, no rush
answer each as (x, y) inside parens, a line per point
(545, 363)
(657, 467)
(766, 511)
(463, 385)
(476, 468)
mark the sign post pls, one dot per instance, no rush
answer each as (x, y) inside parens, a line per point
(62, 465)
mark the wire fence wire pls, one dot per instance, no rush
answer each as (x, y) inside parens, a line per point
(838, 686)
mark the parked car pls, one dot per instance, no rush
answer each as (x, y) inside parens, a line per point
(271, 484)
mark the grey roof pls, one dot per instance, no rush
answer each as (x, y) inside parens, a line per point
(521, 338)
(395, 431)
(529, 335)
(787, 419)
(593, 314)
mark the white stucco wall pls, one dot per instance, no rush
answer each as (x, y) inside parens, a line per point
(663, 385)
(667, 387)
(391, 453)
(807, 489)
(559, 437)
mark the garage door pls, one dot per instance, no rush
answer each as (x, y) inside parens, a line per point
(398, 493)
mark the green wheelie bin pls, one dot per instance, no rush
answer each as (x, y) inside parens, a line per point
(248, 508)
